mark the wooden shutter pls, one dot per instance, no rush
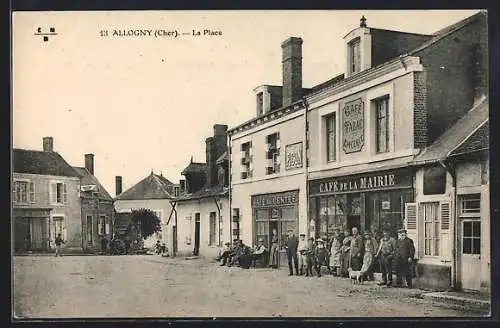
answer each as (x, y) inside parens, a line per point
(65, 193)
(53, 192)
(411, 225)
(445, 234)
(32, 191)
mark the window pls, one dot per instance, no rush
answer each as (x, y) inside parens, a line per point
(382, 124)
(434, 180)
(470, 203)
(260, 103)
(273, 153)
(176, 191)
(101, 225)
(331, 144)
(354, 56)
(246, 160)
(107, 227)
(471, 240)
(23, 192)
(429, 212)
(89, 229)
(58, 193)
(211, 240)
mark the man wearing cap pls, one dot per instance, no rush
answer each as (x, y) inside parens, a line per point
(291, 252)
(357, 250)
(403, 258)
(301, 253)
(385, 254)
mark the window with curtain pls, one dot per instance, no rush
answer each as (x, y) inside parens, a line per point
(382, 124)
(331, 144)
(429, 213)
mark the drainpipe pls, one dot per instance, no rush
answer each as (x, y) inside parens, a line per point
(230, 191)
(306, 164)
(218, 217)
(454, 224)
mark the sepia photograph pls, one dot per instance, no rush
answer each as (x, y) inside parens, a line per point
(250, 163)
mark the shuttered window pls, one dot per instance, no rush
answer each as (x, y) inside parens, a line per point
(430, 217)
(411, 225)
(212, 228)
(58, 193)
(23, 192)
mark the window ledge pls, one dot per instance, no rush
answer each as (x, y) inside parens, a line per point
(433, 260)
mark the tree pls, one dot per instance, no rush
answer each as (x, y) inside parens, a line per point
(147, 220)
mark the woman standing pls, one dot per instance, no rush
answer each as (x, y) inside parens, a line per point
(369, 255)
(273, 250)
(345, 253)
(336, 252)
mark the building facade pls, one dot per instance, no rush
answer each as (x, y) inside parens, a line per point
(97, 211)
(46, 200)
(155, 193)
(201, 212)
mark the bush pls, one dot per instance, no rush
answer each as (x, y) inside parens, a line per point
(117, 247)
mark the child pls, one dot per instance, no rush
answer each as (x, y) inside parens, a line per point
(302, 248)
(164, 249)
(320, 256)
(309, 256)
(59, 241)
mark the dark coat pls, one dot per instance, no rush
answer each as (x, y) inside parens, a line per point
(404, 249)
(292, 244)
(357, 246)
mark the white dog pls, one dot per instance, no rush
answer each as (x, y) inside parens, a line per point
(355, 276)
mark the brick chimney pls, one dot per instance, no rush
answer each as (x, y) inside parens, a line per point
(89, 163)
(118, 185)
(210, 159)
(292, 70)
(48, 144)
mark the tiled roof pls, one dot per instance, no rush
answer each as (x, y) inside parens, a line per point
(41, 162)
(479, 140)
(151, 187)
(454, 137)
(195, 168)
(88, 179)
(205, 193)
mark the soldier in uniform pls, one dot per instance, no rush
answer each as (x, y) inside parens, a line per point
(385, 255)
(403, 256)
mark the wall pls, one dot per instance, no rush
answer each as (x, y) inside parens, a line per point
(71, 211)
(452, 75)
(186, 226)
(95, 207)
(152, 204)
(400, 91)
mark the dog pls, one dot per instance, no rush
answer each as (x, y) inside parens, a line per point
(355, 276)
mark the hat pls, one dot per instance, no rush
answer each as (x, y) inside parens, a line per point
(261, 240)
(228, 243)
(402, 231)
(319, 240)
(290, 230)
(311, 238)
(302, 234)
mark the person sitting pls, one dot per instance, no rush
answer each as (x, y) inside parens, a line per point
(259, 253)
(234, 252)
(225, 253)
(244, 255)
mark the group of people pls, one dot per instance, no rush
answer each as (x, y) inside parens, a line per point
(242, 255)
(345, 252)
(160, 248)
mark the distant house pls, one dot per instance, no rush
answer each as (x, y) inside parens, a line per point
(154, 192)
(202, 209)
(45, 197)
(97, 207)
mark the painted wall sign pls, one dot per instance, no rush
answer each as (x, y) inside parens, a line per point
(353, 129)
(293, 156)
(391, 179)
(278, 199)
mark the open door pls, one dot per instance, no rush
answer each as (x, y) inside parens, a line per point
(196, 250)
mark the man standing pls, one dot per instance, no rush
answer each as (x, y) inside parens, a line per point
(302, 249)
(385, 255)
(403, 256)
(357, 250)
(59, 241)
(291, 252)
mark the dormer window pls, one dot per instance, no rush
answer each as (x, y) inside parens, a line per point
(260, 103)
(354, 56)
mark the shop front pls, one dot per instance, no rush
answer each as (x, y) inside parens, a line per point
(275, 214)
(31, 229)
(371, 202)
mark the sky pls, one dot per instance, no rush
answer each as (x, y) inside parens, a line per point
(142, 103)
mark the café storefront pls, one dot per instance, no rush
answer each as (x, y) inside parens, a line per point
(371, 202)
(277, 211)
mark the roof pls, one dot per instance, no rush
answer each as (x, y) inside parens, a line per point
(151, 187)
(216, 191)
(89, 179)
(195, 168)
(458, 135)
(479, 140)
(41, 162)
(222, 158)
(441, 34)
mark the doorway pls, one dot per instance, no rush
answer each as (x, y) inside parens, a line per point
(196, 250)
(471, 254)
(353, 211)
(22, 234)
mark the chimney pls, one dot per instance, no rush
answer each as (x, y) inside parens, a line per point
(292, 70)
(220, 130)
(48, 144)
(210, 159)
(89, 163)
(182, 184)
(118, 185)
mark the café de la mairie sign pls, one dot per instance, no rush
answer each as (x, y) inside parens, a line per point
(353, 118)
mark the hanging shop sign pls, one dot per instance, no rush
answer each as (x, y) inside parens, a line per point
(353, 119)
(293, 156)
(391, 179)
(278, 199)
